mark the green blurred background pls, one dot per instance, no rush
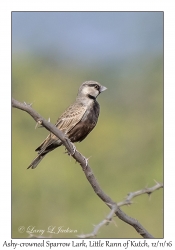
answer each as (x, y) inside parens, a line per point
(52, 54)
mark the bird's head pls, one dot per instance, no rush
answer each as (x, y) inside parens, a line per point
(90, 89)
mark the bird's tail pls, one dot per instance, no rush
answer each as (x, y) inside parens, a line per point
(47, 146)
(36, 161)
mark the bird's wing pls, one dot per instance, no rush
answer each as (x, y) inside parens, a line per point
(65, 123)
(71, 117)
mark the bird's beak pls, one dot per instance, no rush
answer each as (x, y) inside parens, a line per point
(102, 88)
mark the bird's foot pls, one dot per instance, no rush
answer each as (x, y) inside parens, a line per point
(73, 149)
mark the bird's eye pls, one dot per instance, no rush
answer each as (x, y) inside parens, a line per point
(96, 87)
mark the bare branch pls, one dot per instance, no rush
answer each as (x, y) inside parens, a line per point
(127, 201)
(146, 190)
(85, 167)
(106, 221)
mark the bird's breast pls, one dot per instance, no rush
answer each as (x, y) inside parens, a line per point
(87, 123)
(92, 113)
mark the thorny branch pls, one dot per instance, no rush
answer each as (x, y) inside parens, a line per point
(146, 190)
(85, 167)
(127, 201)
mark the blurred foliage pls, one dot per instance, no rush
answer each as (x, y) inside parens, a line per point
(126, 147)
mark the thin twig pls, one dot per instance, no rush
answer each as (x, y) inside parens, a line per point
(146, 190)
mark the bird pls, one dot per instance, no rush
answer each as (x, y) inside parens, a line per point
(77, 121)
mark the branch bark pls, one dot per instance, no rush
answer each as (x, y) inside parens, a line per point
(146, 190)
(127, 201)
(85, 167)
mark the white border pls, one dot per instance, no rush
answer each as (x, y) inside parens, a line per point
(5, 92)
